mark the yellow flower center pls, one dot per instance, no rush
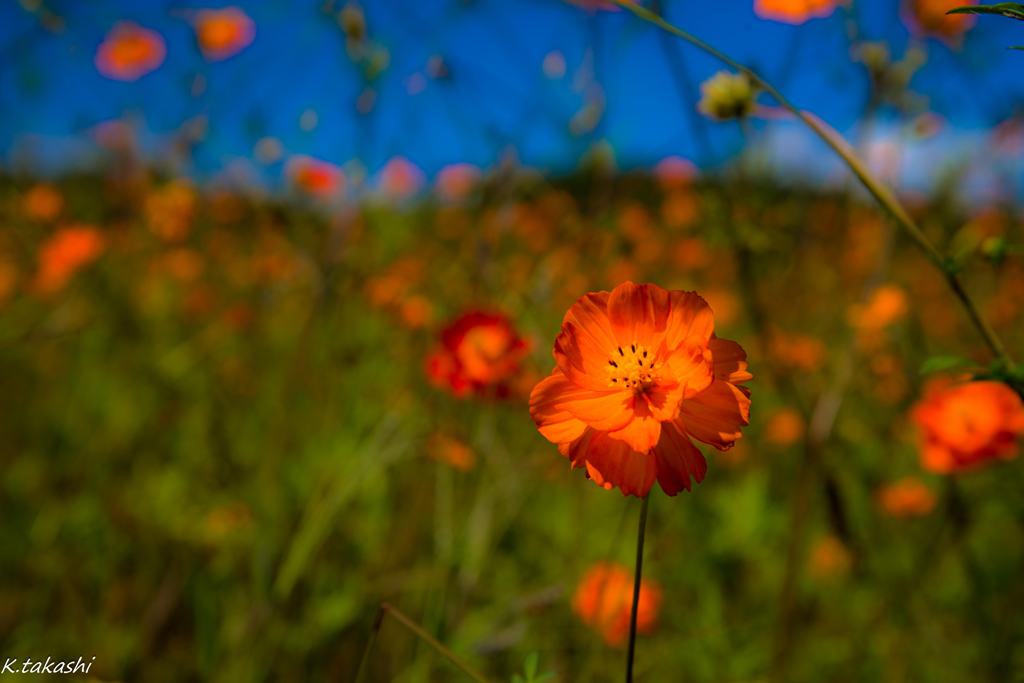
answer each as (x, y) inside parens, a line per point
(634, 369)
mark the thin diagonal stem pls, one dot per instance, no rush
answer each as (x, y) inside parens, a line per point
(876, 187)
(385, 608)
(636, 586)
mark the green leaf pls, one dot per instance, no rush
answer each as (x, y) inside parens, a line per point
(1013, 10)
(940, 363)
(531, 665)
(1015, 47)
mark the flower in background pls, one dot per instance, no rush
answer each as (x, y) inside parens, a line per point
(451, 452)
(639, 372)
(316, 178)
(129, 52)
(908, 497)
(674, 172)
(455, 181)
(400, 178)
(793, 11)
(64, 254)
(43, 203)
(968, 424)
(929, 18)
(170, 210)
(785, 427)
(727, 96)
(604, 599)
(829, 558)
(479, 353)
(223, 33)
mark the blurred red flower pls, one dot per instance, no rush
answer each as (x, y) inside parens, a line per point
(794, 11)
(604, 600)
(479, 353)
(908, 497)
(675, 172)
(316, 178)
(455, 181)
(639, 371)
(968, 424)
(223, 33)
(64, 254)
(129, 52)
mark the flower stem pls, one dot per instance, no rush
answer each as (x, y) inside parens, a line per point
(876, 187)
(636, 586)
(385, 608)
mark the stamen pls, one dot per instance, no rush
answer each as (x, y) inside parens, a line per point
(645, 354)
(633, 346)
(639, 362)
(614, 380)
(621, 353)
(612, 363)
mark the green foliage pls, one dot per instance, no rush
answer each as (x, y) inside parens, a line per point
(1014, 10)
(530, 675)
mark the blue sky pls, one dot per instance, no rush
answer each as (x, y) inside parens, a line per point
(496, 98)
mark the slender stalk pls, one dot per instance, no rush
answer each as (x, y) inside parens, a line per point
(876, 187)
(385, 608)
(636, 586)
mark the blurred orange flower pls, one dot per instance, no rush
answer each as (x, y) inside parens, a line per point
(887, 305)
(129, 52)
(785, 427)
(170, 209)
(455, 181)
(639, 371)
(64, 254)
(223, 33)
(479, 353)
(681, 208)
(908, 497)
(794, 11)
(400, 178)
(928, 17)
(43, 203)
(604, 601)
(316, 178)
(797, 352)
(451, 452)
(968, 424)
(829, 558)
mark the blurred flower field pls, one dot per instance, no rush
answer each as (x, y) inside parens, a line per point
(233, 425)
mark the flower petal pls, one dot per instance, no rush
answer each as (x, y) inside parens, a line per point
(582, 358)
(576, 450)
(730, 361)
(664, 399)
(690, 318)
(691, 365)
(556, 424)
(643, 432)
(678, 459)
(716, 414)
(605, 411)
(638, 314)
(612, 463)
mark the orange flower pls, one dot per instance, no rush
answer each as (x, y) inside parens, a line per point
(604, 600)
(785, 427)
(907, 497)
(928, 17)
(451, 452)
(640, 371)
(43, 203)
(829, 558)
(455, 181)
(64, 254)
(400, 178)
(966, 425)
(479, 353)
(223, 33)
(129, 52)
(320, 179)
(887, 305)
(793, 11)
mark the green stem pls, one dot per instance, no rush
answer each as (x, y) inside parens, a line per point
(876, 187)
(385, 608)
(636, 586)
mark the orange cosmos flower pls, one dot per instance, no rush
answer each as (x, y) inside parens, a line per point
(793, 11)
(223, 33)
(319, 179)
(64, 254)
(966, 425)
(43, 203)
(640, 371)
(479, 353)
(908, 497)
(129, 52)
(604, 599)
(929, 18)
